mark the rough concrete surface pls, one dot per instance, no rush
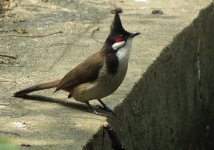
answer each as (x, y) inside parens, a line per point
(51, 121)
(171, 107)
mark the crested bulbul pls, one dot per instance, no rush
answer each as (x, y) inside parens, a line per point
(100, 74)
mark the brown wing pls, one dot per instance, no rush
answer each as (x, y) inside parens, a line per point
(87, 71)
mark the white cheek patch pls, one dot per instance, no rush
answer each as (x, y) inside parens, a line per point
(118, 45)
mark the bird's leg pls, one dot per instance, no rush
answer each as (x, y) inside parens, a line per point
(105, 107)
(95, 111)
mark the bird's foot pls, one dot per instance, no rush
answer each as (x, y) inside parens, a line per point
(99, 113)
(106, 108)
(94, 111)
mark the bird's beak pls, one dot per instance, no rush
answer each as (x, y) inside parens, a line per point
(133, 34)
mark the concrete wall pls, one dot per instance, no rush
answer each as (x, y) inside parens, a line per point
(172, 105)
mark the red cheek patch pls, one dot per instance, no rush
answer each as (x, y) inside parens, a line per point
(118, 39)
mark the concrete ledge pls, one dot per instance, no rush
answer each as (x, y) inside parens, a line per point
(171, 107)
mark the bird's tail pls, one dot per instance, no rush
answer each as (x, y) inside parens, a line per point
(39, 87)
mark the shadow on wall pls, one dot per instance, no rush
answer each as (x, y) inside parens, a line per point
(172, 106)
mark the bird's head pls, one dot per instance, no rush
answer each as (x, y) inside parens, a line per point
(118, 36)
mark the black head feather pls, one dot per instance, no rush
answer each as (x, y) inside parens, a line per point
(116, 30)
(116, 26)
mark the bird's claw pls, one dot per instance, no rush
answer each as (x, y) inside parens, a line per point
(106, 109)
(100, 114)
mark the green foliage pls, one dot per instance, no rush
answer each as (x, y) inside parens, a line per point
(6, 145)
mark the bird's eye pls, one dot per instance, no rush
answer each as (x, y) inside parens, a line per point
(118, 39)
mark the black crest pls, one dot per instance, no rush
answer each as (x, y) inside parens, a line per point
(116, 29)
(117, 26)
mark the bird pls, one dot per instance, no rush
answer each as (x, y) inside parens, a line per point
(100, 74)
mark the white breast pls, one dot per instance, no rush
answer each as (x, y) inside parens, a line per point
(106, 83)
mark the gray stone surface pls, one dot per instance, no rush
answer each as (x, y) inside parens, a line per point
(171, 106)
(51, 121)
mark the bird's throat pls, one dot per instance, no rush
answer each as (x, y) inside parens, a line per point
(124, 52)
